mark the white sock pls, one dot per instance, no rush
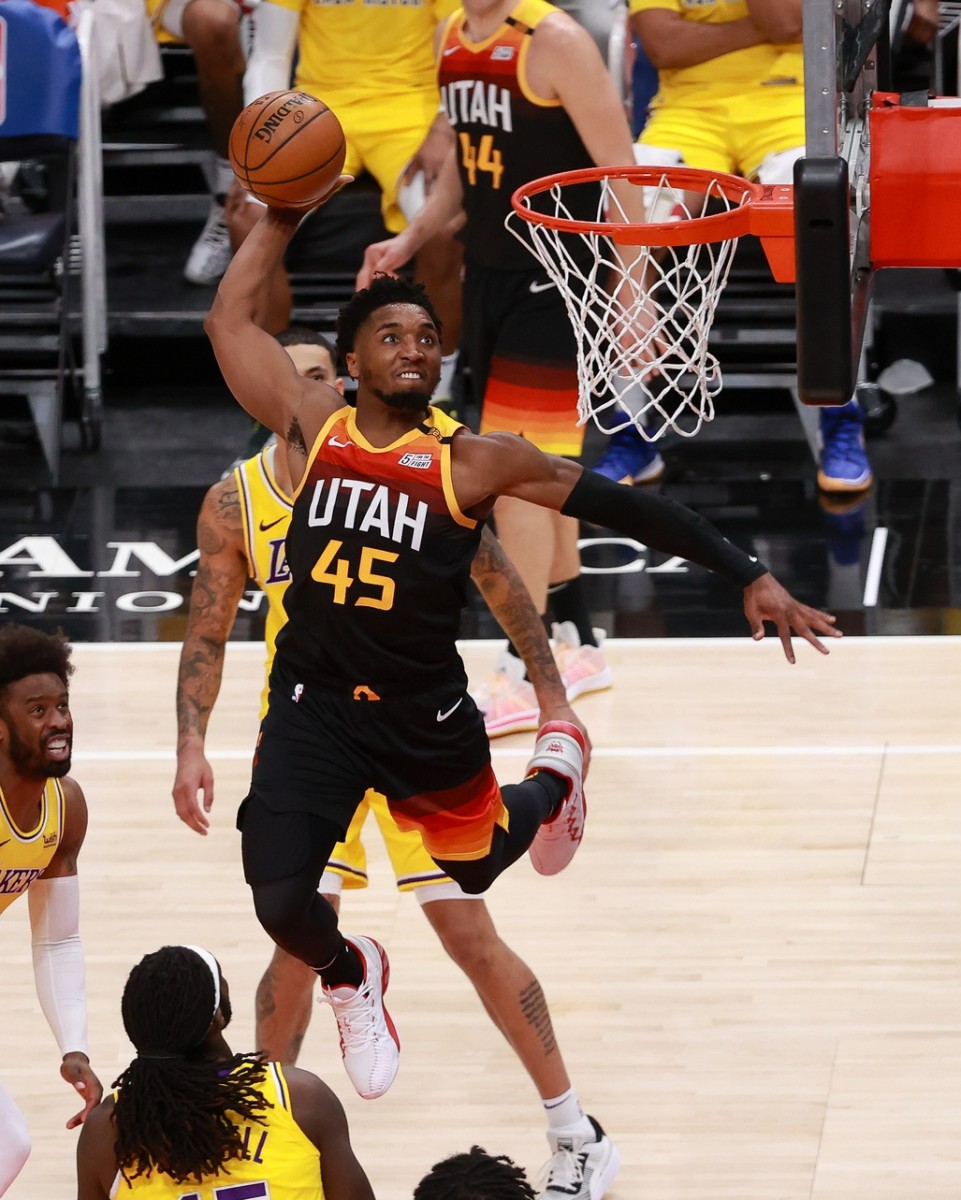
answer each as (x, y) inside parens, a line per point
(448, 364)
(565, 1112)
(632, 396)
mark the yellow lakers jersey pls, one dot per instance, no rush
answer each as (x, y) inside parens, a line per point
(278, 1162)
(355, 49)
(26, 853)
(730, 73)
(265, 514)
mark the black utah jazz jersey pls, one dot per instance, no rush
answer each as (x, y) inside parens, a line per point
(380, 555)
(507, 135)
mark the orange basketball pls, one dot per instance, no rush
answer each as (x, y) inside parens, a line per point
(287, 149)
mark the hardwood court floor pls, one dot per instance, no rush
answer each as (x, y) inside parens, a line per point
(753, 964)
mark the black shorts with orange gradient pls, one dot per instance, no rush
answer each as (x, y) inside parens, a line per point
(520, 346)
(427, 752)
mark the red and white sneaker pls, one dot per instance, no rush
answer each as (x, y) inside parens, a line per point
(560, 749)
(506, 699)
(583, 668)
(369, 1043)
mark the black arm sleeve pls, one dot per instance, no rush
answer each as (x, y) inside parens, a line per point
(660, 524)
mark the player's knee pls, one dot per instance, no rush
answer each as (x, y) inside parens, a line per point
(278, 907)
(211, 29)
(475, 956)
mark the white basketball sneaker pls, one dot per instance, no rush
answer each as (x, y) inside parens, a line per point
(211, 253)
(369, 1043)
(560, 749)
(580, 1167)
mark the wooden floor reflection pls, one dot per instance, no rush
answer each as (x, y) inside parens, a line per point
(753, 963)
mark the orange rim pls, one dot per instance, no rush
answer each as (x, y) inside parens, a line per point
(762, 210)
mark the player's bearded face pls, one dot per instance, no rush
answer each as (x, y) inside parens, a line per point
(45, 757)
(399, 361)
(39, 727)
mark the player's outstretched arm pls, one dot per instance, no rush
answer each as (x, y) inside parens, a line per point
(511, 603)
(503, 464)
(58, 962)
(665, 525)
(321, 1116)
(217, 589)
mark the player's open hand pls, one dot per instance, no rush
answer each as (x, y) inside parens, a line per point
(766, 600)
(193, 789)
(75, 1069)
(383, 258)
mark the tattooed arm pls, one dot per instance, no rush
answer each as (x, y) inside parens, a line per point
(217, 590)
(510, 602)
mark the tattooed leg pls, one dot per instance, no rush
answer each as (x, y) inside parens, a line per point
(506, 985)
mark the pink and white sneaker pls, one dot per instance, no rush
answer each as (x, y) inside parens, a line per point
(560, 749)
(583, 668)
(506, 699)
(369, 1043)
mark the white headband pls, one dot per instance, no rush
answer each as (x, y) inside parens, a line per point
(214, 971)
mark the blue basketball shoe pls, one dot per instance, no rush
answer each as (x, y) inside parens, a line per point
(630, 459)
(844, 465)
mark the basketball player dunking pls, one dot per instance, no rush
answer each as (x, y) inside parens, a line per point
(241, 532)
(367, 687)
(43, 819)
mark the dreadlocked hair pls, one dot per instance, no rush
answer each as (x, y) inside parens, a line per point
(384, 290)
(25, 651)
(475, 1176)
(176, 1109)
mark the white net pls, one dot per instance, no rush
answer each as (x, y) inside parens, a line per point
(641, 314)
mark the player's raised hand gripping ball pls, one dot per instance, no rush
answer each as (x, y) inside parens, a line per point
(287, 149)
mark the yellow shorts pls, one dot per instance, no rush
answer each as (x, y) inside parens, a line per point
(734, 133)
(382, 139)
(412, 865)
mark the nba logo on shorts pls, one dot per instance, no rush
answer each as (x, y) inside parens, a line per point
(3, 70)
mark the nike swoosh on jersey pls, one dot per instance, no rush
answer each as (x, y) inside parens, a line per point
(265, 525)
(337, 442)
(443, 716)
(542, 287)
(2, 844)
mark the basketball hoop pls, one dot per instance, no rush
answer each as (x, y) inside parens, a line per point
(642, 296)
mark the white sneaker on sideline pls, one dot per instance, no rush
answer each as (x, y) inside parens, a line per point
(582, 668)
(507, 700)
(211, 252)
(369, 1043)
